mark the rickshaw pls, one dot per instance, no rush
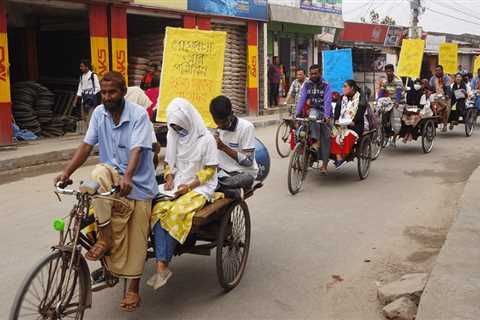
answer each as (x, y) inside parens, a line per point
(469, 116)
(304, 156)
(425, 128)
(60, 286)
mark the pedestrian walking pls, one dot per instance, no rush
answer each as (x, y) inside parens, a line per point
(88, 91)
(274, 75)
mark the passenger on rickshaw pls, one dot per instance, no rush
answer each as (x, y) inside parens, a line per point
(392, 88)
(440, 83)
(318, 92)
(460, 93)
(236, 144)
(411, 115)
(190, 169)
(349, 121)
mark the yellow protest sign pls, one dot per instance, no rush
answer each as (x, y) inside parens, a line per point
(411, 56)
(476, 65)
(448, 57)
(192, 69)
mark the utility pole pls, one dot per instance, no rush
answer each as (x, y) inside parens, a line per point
(416, 9)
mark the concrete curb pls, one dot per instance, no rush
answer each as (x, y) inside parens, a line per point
(66, 154)
(453, 289)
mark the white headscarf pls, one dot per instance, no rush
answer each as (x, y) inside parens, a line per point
(183, 114)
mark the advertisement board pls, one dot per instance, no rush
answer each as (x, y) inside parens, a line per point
(330, 6)
(252, 9)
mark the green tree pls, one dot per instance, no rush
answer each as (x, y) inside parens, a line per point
(374, 17)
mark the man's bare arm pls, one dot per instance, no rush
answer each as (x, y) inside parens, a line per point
(78, 159)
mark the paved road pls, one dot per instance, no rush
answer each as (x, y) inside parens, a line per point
(318, 255)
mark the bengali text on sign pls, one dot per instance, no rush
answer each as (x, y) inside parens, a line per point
(192, 69)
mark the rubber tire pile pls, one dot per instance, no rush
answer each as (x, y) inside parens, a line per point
(32, 107)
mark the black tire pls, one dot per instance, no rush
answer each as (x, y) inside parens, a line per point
(49, 306)
(469, 121)
(282, 139)
(297, 168)
(233, 245)
(364, 157)
(377, 143)
(428, 136)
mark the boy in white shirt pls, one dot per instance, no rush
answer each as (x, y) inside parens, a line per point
(235, 140)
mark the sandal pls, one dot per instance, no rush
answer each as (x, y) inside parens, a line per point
(131, 302)
(98, 251)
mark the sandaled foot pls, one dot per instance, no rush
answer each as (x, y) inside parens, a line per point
(98, 251)
(131, 302)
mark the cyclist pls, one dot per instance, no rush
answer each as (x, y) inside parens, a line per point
(440, 83)
(391, 88)
(294, 92)
(317, 93)
(123, 133)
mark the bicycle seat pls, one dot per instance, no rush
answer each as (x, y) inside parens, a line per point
(89, 187)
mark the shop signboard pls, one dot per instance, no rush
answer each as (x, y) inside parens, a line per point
(119, 40)
(364, 32)
(394, 36)
(252, 66)
(251, 9)
(330, 6)
(448, 57)
(411, 56)
(4, 65)
(337, 67)
(192, 69)
(168, 4)
(99, 39)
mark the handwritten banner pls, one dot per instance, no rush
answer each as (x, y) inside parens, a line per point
(411, 56)
(337, 67)
(192, 69)
(476, 65)
(448, 57)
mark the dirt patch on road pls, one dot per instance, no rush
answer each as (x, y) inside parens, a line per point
(426, 236)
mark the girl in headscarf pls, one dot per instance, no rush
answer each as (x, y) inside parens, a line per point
(349, 121)
(190, 168)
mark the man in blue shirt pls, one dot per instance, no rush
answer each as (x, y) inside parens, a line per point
(317, 93)
(123, 133)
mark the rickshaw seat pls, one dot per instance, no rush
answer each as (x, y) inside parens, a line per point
(210, 211)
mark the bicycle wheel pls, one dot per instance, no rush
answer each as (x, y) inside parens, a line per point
(469, 121)
(49, 292)
(377, 143)
(428, 136)
(297, 168)
(364, 156)
(233, 244)
(282, 139)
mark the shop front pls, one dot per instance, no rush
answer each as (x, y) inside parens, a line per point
(373, 47)
(297, 33)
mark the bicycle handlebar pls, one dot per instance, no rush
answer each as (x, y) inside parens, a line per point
(310, 120)
(59, 189)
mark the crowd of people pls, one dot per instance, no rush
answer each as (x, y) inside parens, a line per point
(198, 160)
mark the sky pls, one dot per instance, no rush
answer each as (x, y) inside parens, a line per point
(450, 16)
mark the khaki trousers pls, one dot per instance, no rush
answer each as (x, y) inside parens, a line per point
(130, 221)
